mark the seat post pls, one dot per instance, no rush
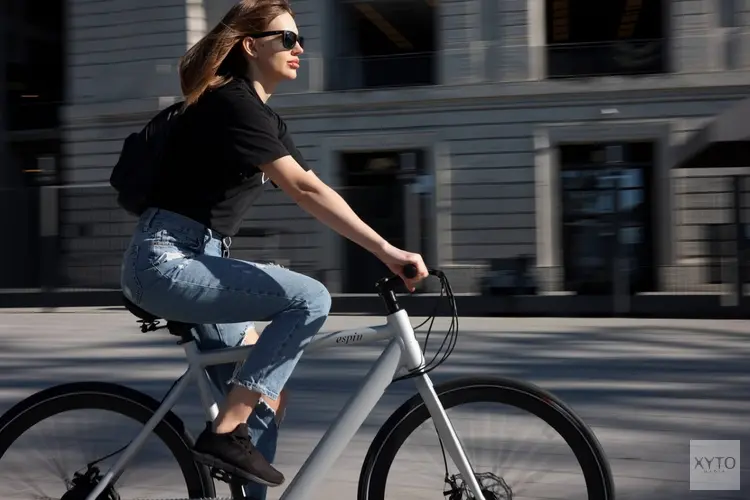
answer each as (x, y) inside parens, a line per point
(208, 399)
(182, 330)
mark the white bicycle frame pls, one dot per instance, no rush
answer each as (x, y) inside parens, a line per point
(402, 353)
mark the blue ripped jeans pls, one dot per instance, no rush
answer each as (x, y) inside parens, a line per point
(176, 268)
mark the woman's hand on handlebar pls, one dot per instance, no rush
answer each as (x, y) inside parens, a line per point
(396, 259)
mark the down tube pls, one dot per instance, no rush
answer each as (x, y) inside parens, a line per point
(137, 442)
(349, 420)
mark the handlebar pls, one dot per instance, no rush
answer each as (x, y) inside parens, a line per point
(410, 271)
(386, 286)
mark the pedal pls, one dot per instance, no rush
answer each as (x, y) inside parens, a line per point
(221, 475)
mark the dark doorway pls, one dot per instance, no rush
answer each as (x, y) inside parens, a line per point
(35, 89)
(19, 254)
(607, 217)
(375, 187)
(34, 165)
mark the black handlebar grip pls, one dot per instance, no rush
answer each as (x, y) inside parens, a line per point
(410, 271)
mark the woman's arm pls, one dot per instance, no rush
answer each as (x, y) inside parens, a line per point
(322, 202)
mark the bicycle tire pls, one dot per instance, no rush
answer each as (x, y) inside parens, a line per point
(112, 397)
(410, 415)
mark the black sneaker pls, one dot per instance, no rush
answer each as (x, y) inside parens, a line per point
(235, 454)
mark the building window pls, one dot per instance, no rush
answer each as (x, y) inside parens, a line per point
(35, 67)
(35, 89)
(727, 16)
(606, 217)
(588, 38)
(384, 43)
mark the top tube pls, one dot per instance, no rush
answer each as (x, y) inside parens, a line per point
(352, 336)
(363, 335)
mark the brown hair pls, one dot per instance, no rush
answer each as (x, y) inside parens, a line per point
(212, 61)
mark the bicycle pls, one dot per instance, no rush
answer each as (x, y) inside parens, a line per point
(402, 358)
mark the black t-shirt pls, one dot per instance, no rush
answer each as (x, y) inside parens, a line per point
(211, 172)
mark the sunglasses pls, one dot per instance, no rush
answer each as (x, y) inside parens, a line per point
(289, 38)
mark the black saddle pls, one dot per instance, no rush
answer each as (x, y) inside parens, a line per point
(150, 322)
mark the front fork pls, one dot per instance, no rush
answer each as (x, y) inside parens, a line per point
(447, 434)
(413, 359)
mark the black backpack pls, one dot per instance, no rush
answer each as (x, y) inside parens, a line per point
(135, 174)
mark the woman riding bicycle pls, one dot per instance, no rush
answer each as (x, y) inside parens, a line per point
(227, 145)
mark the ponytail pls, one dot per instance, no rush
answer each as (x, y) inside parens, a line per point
(199, 66)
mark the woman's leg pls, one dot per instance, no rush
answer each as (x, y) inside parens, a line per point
(265, 420)
(210, 337)
(270, 363)
(263, 427)
(206, 289)
(174, 269)
(301, 307)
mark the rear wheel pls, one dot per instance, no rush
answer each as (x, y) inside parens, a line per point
(390, 464)
(73, 468)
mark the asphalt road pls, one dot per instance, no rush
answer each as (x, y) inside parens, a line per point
(646, 387)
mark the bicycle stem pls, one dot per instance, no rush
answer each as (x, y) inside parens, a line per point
(386, 287)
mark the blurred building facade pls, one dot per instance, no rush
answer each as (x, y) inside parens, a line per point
(483, 133)
(32, 60)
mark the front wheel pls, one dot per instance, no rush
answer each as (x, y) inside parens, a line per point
(573, 467)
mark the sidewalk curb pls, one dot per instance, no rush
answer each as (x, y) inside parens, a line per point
(645, 306)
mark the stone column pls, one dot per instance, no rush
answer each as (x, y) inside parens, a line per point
(731, 25)
(462, 51)
(518, 54)
(692, 41)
